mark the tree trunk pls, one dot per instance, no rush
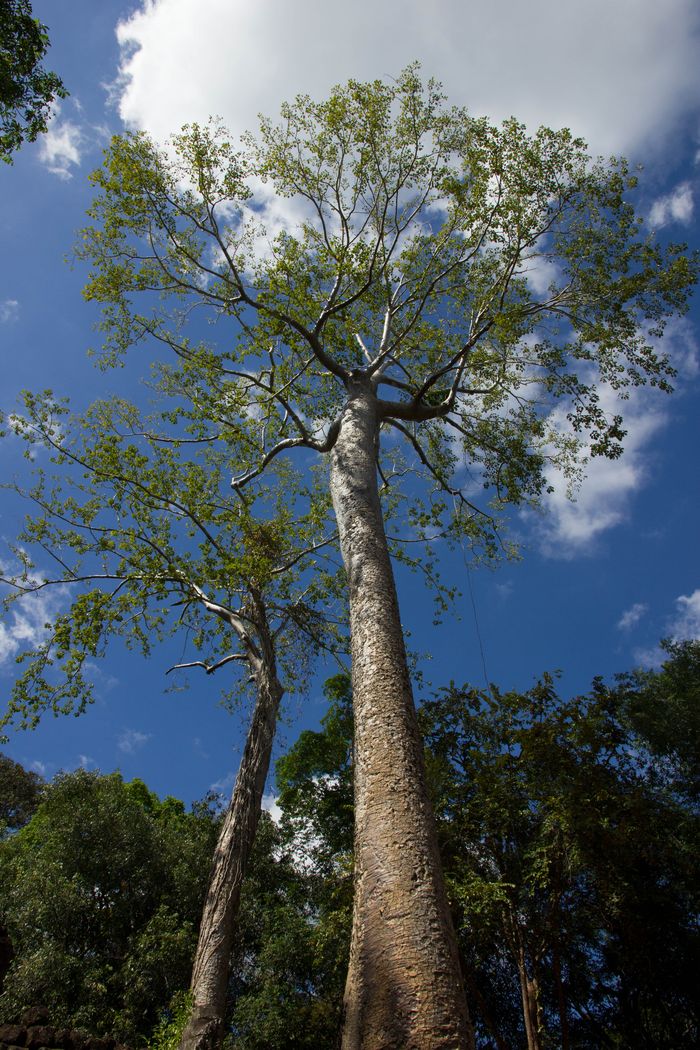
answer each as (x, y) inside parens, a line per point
(210, 972)
(404, 986)
(529, 995)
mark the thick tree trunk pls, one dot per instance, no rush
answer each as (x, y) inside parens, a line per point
(210, 971)
(404, 985)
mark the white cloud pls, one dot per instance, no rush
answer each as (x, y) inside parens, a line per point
(102, 681)
(269, 804)
(676, 206)
(85, 761)
(132, 741)
(224, 785)
(61, 147)
(570, 527)
(38, 767)
(24, 626)
(541, 272)
(616, 73)
(685, 623)
(681, 626)
(631, 617)
(681, 344)
(9, 310)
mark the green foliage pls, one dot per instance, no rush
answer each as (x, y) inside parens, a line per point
(571, 865)
(416, 233)
(101, 896)
(569, 841)
(290, 954)
(20, 794)
(291, 951)
(26, 88)
(569, 845)
(136, 511)
(167, 1033)
(314, 780)
(663, 711)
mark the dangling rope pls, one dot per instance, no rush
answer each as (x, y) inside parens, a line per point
(487, 680)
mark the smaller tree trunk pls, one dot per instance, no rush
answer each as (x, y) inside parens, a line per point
(561, 995)
(210, 972)
(529, 992)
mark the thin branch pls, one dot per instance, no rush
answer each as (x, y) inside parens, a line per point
(318, 446)
(423, 457)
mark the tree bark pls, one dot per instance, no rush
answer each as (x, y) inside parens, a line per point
(404, 985)
(529, 994)
(210, 972)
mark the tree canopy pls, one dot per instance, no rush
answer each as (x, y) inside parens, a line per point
(102, 892)
(569, 843)
(20, 794)
(133, 521)
(477, 274)
(27, 90)
(570, 854)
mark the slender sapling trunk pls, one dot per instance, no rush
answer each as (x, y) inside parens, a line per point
(210, 972)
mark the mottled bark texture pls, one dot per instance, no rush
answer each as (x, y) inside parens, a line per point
(404, 987)
(210, 971)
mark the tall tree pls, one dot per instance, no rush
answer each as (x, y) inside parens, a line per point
(402, 296)
(136, 523)
(27, 90)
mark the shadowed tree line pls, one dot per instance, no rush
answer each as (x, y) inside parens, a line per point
(568, 832)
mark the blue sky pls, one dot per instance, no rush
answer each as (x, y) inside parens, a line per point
(600, 580)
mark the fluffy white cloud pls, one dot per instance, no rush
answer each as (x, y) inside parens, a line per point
(61, 147)
(24, 626)
(603, 500)
(9, 310)
(631, 617)
(676, 206)
(616, 73)
(571, 527)
(681, 626)
(269, 804)
(681, 345)
(685, 623)
(132, 741)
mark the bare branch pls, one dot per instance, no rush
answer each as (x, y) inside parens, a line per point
(318, 446)
(425, 460)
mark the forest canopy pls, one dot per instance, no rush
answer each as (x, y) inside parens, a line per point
(568, 832)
